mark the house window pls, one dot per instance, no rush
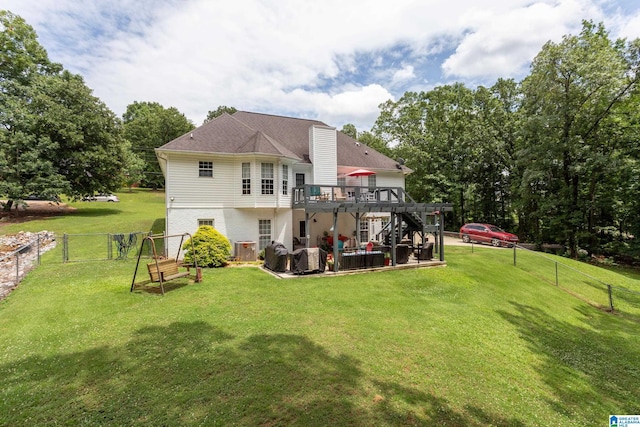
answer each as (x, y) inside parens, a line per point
(342, 181)
(285, 180)
(267, 178)
(264, 233)
(364, 230)
(372, 182)
(209, 222)
(246, 178)
(299, 179)
(205, 169)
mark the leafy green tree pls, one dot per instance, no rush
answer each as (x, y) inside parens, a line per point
(573, 93)
(377, 143)
(350, 129)
(134, 169)
(21, 56)
(147, 126)
(55, 136)
(218, 112)
(434, 132)
(495, 136)
(460, 144)
(557, 153)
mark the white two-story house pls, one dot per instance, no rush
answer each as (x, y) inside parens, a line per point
(262, 178)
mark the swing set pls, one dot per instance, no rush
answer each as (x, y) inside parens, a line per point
(162, 270)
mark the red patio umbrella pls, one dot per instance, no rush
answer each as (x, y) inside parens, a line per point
(361, 173)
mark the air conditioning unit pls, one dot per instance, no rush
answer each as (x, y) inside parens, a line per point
(245, 251)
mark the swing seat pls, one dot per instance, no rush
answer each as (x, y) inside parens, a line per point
(166, 269)
(161, 271)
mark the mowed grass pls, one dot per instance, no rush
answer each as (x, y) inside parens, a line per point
(479, 342)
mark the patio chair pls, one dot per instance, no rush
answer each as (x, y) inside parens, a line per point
(338, 194)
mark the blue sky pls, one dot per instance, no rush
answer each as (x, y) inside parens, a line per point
(332, 60)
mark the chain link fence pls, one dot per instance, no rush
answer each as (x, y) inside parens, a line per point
(603, 293)
(609, 293)
(104, 246)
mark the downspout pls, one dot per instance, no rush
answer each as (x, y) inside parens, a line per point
(336, 252)
(393, 238)
(306, 229)
(358, 230)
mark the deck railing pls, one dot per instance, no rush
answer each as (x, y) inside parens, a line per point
(314, 194)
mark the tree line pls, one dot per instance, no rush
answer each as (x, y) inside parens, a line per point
(553, 157)
(57, 138)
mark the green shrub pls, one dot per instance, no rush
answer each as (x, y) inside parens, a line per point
(212, 249)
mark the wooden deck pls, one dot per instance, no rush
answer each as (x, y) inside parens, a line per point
(413, 263)
(333, 198)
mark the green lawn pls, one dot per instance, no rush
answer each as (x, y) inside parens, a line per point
(479, 342)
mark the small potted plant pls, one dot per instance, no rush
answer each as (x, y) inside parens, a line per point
(330, 262)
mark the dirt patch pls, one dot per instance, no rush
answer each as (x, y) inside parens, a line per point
(34, 209)
(18, 255)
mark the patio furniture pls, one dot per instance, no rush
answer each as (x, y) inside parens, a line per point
(164, 270)
(275, 257)
(425, 252)
(402, 253)
(308, 260)
(339, 195)
(361, 259)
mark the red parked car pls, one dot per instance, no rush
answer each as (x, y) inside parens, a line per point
(487, 233)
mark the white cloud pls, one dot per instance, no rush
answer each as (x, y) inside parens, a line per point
(284, 56)
(404, 74)
(502, 43)
(629, 26)
(358, 105)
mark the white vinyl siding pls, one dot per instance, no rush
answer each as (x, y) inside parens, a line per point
(235, 224)
(187, 189)
(322, 152)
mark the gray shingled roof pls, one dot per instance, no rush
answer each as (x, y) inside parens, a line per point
(246, 132)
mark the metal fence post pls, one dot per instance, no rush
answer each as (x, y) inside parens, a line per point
(65, 247)
(556, 273)
(514, 254)
(610, 298)
(17, 266)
